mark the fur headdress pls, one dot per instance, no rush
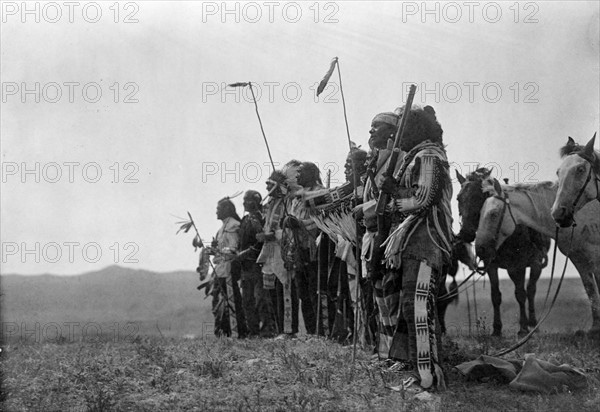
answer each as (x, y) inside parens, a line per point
(278, 180)
(423, 124)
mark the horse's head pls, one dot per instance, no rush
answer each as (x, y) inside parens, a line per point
(495, 223)
(578, 179)
(470, 200)
(463, 252)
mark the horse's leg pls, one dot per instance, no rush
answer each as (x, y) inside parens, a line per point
(595, 331)
(586, 272)
(496, 298)
(534, 274)
(518, 278)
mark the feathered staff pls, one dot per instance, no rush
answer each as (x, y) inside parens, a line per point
(249, 84)
(186, 225)
(335, 62)
(204, 261)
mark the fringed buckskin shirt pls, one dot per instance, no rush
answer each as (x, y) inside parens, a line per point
(426, 233)
(270, 255)
(228, 240)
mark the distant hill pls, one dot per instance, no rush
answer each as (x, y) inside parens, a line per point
(140, 302)
(168, 302)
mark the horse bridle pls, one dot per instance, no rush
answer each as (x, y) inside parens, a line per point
(587, 181)
(506, 204)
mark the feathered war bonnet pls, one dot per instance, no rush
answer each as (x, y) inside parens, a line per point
(290, 170)
(285, 179)
(278, 181)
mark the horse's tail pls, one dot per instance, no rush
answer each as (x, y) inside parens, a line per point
(453, 291)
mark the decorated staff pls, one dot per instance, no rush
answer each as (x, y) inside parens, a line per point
(204, 262)
(249, 84)
(356, 182)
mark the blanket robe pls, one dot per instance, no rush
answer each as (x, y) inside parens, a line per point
(418, 248)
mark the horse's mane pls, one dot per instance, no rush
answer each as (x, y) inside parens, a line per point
(530, 187)
(570, 148)
(478, 174)
(574, 148)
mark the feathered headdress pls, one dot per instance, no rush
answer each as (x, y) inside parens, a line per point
(226, 202)
(186, 225)
(278, 180)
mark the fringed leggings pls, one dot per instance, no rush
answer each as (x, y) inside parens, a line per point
(387, 297)
(417, 335)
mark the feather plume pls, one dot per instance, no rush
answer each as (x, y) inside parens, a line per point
(185, 226)
(327, 76)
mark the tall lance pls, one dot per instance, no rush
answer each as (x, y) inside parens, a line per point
(249, 84)
(335, 62)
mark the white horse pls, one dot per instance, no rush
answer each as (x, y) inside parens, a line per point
(530, 204)
(578, 180)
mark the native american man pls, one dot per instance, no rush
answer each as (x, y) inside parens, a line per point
(257, 305)
(306, 233)
(278, 282)
(386, 295)
(421, 191)
(343, 263)
(357, 159)
(227, 300)
(326, 211)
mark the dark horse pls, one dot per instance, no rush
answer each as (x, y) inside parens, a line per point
(525, 248)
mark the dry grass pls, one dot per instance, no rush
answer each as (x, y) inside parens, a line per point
(167, 374)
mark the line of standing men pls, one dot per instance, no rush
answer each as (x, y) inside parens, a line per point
(274, 254)
(403, 252)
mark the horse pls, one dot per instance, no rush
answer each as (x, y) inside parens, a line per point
(530, 204)
(524, 248)
(578, 179)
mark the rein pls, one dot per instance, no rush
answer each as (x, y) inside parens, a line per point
(553, 264)
(451, 295)
(562, 276)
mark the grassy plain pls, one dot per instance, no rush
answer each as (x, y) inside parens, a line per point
(156, 352)
(178, 374)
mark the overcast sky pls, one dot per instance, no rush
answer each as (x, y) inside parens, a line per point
(116, 118)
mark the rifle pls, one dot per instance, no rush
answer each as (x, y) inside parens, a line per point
(384, 197)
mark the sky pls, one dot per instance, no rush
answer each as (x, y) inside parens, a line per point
(116, 119)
